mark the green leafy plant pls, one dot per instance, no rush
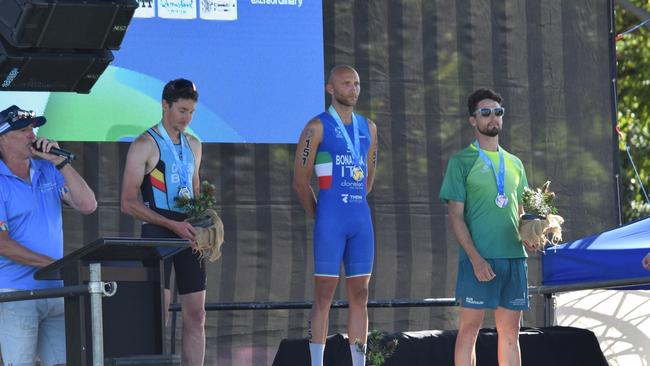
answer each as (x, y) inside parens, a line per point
(633, 73)
(377, 351)
(196, 208)
(539, 201)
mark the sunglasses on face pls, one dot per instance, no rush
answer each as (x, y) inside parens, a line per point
(485, 112)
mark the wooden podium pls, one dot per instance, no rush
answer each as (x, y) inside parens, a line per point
(133, 319)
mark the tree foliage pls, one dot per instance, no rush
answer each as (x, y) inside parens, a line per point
(633, 91)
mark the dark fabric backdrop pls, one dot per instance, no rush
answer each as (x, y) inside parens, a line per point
(418, 60)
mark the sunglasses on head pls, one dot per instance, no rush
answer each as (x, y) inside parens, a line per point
(181, 84)
(485, 112)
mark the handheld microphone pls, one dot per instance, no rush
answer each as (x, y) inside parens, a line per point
(59, 152)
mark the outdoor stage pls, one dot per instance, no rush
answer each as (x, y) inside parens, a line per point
(552, 61)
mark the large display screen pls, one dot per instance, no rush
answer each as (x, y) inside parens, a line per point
(257, 65)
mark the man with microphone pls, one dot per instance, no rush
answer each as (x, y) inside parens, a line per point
(33, 182)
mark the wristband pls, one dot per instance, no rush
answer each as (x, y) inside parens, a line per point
(65, 162)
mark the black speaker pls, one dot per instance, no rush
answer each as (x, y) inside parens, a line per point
(70, 24)
(51, 70)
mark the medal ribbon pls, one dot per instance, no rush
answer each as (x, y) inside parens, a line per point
(182, 166)
(501, 176)
(356, 151)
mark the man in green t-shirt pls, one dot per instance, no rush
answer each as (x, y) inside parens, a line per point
(483, 189)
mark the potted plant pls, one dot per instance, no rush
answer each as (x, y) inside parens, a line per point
(377, 351)
(540, 225)
(201, 214)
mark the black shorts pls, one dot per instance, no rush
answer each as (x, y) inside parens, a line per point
(190, 270)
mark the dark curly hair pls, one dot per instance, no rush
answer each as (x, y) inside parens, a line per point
(480, 94)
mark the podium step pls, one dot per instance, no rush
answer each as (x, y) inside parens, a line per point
(144, 360)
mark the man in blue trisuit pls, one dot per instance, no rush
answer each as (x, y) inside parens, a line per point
(341, 146)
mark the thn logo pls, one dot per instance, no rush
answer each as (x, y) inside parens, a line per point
(10, 77)
(351, 198)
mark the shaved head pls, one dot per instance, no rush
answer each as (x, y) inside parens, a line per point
(343, 85)
(337, 69)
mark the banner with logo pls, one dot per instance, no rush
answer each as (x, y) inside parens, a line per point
(257, 65)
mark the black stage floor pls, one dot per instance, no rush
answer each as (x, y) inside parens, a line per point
(552, 346)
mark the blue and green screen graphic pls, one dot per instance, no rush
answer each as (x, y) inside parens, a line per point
(257, 65)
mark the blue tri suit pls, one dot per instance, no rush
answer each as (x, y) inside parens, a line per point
(343, 227)
(160, 186)
(159, 190)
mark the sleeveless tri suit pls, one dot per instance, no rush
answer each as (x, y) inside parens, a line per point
(159, 189)
(343, 227)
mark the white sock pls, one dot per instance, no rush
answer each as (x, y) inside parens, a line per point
(316, 351)
(358, 356)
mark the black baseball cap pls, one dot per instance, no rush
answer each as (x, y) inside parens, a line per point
(15, 118)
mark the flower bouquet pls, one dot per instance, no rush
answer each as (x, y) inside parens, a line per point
(540, 225)
(377, 351)
(209, 227)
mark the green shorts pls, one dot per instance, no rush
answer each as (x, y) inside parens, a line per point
(509, 289)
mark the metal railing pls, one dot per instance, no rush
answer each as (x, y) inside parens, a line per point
(625, 282)
(401, 303)
(547, 291)
(95, 288)
(336, 304)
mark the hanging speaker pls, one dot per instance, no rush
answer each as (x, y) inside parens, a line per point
(70, 24)
(51, 70)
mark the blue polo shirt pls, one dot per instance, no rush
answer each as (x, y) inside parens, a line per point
(32, 215)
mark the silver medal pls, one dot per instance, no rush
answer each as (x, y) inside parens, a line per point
(184, 192)
(501, 200)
